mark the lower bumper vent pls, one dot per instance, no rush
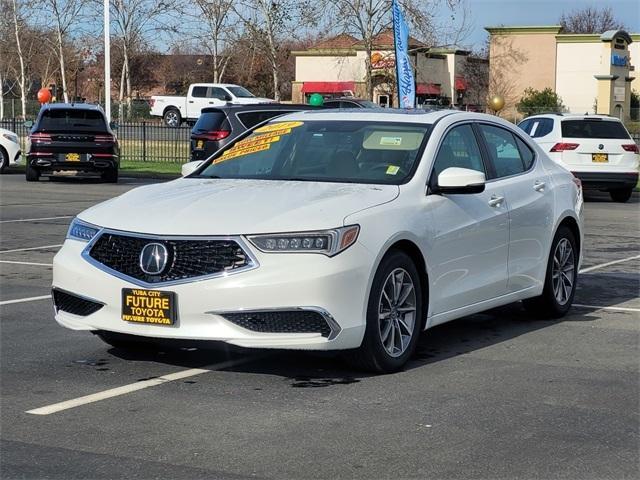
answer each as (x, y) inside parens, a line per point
(74, 304)
(284, 321)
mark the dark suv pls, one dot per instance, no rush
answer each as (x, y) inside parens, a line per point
(217, 126)
(72, 137)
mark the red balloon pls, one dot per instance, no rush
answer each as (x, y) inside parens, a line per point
(44, 95)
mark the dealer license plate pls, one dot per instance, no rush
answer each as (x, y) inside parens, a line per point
(600, 157)
(200, 144)
(72, 157)
(148, 306)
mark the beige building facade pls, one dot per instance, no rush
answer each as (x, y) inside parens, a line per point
(591, 73)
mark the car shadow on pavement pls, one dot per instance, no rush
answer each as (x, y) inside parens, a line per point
(594, 196)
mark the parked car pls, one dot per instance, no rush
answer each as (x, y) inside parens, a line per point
(219, 126)
(596, 148)
(349, 102)
(176, 109)
(9, 149)
(330, 231)
(72, 137)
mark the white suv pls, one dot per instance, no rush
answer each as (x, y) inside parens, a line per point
(596, 148)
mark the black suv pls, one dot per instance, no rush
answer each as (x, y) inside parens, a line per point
(72, 137)
(218, 126)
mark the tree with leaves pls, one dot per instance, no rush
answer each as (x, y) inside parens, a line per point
(590, 19)
(538, 101)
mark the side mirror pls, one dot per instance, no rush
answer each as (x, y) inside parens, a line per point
(190, 167)
(459, 181)
(228, 97)
(113, 125)
(28, 123)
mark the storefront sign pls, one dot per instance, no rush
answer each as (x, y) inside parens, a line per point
(619, 60)
(381, 61)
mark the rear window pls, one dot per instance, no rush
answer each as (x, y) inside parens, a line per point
(76, 119)
(593, 129)
(209, 121)
(251, 119)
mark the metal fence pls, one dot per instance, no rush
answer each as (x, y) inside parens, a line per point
(139, 141)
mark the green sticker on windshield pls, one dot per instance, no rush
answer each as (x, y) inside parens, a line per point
(392, 169)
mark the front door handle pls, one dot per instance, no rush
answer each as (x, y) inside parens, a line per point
(538, 186)
(496, 201)
(190, 101)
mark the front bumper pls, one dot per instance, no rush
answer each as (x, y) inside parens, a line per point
(336, 286)
(607, 180)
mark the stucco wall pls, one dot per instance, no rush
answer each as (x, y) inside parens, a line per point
(577, 63)
(330, 68)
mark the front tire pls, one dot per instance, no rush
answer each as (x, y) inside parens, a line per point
(4, 160)
(32, 174)
(394, 316)
(560, 280)
(110, 176)
(172, 118)
(621, 195)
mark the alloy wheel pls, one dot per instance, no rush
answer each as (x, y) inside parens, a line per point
(397, 312)
(172, 119)
(563, 271)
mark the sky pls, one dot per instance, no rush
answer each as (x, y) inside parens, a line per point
(540, 12)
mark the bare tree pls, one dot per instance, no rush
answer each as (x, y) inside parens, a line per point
(16, 14)
(590, 20)
(65, 15)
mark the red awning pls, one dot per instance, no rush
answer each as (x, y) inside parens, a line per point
(328, 87)
(461, 83)
(427, 89)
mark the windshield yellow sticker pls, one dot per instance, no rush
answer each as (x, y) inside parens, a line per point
(234, 153)
(278, 126)
(391, 141)
(392, 169)
(253, 141)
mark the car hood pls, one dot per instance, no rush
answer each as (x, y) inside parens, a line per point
(194, 206)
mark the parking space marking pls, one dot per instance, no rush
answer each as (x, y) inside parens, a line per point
(614, 309)
(134, 387)
(14, 262)
(23, 300)
(35, 219)
(602, 265)
(44, 247)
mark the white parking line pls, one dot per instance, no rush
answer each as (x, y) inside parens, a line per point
(615, 309)
(13, 262)
(44, 247)
(133, 387)
(23, 300)
(35, 219)
(602, 265)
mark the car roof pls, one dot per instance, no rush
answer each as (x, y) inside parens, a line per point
(383, 114)
(573, 116)
(75, 106)
(260, 106)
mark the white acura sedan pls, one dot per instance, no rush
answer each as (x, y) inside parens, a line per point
(345, 230)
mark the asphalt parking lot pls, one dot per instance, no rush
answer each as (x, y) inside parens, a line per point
(497, 395)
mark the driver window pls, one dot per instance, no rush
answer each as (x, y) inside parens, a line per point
(217, 93)
(459, 149)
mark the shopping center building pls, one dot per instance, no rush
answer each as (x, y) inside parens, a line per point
(591, 73)
(336, 67)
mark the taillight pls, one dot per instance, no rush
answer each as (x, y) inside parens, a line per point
(104, 138)
(631, 148)
(561, 147)
(40, 138)
(215, 135)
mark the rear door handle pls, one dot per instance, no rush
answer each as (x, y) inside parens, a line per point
(496, 201)
(538, 186)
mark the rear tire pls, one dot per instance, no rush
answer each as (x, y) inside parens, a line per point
(172, 118)
(560, 280)
(394, 317)
(621, 195)
(32, 174)
(110, 176)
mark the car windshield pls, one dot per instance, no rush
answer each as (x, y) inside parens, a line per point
(60, 120)
(593, 129)
(324, 151)
(241, 92)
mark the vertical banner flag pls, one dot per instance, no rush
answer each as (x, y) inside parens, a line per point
(404, 72)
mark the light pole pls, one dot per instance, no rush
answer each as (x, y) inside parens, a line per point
(107, 63)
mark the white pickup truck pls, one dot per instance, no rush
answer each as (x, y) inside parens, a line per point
(175, 110)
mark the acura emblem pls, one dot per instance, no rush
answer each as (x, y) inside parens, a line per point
(153, 258)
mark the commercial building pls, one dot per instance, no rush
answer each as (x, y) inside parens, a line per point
(591, 73)
(337, 67)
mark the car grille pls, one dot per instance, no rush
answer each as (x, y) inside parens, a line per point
(293, 321)
(70, 303)
(187, 259)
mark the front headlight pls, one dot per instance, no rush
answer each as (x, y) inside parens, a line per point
(327, 242)
(11, 138)
(79, 230)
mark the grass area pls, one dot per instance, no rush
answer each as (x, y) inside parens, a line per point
(155, 150)
(128, 166)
